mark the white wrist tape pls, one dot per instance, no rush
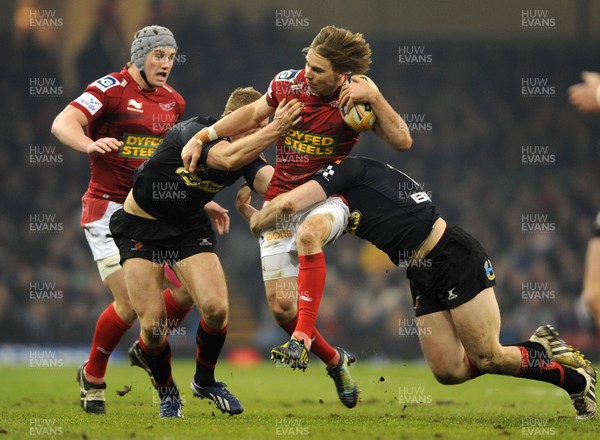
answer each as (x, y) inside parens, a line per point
(212, 133)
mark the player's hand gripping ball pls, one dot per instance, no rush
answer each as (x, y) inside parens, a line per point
(360, 117)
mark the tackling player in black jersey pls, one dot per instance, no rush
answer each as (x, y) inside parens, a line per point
(163, 221)
(451, 280)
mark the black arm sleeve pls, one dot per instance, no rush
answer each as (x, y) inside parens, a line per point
(337, 178)
(251, 170)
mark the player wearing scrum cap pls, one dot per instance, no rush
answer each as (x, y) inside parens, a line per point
(118, 121)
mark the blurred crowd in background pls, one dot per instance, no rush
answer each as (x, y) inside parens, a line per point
(471, 125)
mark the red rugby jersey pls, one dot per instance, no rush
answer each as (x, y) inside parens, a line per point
(321, 138)
(116, 106)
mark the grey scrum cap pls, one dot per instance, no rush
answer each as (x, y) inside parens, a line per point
(147, 39)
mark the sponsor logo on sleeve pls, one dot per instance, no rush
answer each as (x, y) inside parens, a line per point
(287, 74)
(89, 102)
(105, 83)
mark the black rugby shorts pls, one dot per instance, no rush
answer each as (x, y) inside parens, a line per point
(454, 272)
(159, 242)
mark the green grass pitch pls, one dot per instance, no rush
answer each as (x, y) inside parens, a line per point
(398, 401)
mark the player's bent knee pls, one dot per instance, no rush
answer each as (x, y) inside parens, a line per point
(155, 335)
(283, 316)
(307, 236)
(451, 371)
(449, 377)
(310, 237)
(214, 314)
(125, 310)
(283, 311)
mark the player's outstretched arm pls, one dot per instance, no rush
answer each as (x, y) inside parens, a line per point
(288, 203)
(68, 129)
(232, 156)
(389, 126)
(239, 121)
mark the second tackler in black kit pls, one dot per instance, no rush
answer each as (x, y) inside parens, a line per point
(164, 189)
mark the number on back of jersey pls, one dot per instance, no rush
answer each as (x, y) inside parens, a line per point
(420, 197)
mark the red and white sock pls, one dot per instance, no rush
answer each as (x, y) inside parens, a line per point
(110, 328)
(311, 283)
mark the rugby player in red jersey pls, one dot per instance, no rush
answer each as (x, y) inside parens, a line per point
(118, 121)
(293, 263)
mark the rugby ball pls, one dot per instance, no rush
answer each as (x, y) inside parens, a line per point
(360, 116)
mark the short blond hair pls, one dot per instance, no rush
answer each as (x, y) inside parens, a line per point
(240, 97)
(347, 52)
